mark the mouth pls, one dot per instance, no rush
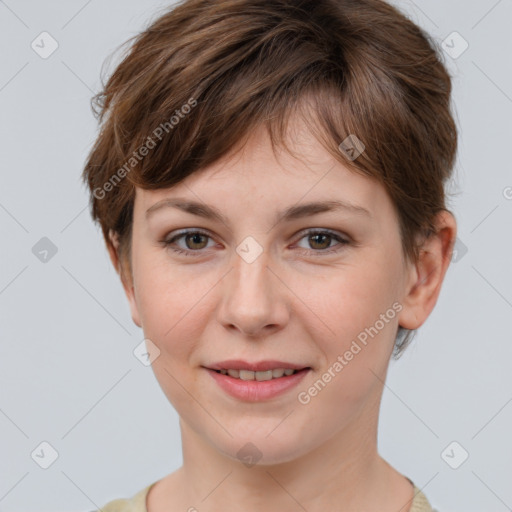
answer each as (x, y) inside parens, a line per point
(237, 379)
(276, 373)
(259, 370)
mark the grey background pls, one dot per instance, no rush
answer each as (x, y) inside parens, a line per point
(68, 375)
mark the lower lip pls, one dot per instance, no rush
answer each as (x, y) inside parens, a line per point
(254, 390)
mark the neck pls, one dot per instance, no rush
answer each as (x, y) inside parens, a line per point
(346, 470)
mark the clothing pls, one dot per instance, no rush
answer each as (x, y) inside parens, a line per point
(137, 503)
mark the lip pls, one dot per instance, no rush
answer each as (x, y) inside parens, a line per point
(256, 391)
(259, 366)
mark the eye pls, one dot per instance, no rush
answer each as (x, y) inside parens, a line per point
(195, 241)
(320, 240)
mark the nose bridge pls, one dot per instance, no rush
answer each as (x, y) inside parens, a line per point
(251, 301)
(250, 279)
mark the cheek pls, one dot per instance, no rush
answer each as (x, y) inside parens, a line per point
(349, 298)
(358, 305)
(170, 307)
(171, 303)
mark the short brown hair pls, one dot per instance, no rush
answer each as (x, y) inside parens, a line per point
(370, 71)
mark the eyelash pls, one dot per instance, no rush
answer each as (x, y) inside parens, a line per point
(318, 252)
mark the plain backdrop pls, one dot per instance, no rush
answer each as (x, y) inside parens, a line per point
(68, 375)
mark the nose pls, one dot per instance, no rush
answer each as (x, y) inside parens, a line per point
(254, 299)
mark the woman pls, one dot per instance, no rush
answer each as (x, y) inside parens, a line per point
(269, 180)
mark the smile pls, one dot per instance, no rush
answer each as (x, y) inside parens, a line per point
(250, 386)
(259, 376)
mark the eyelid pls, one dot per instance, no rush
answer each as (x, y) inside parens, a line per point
(327, 231)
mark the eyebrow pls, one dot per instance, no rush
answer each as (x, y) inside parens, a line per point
(289, 214)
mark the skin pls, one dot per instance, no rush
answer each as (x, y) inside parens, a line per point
(292, 303)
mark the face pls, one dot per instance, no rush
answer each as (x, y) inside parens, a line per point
(321, 290)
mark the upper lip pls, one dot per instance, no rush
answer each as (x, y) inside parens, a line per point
(258, 366)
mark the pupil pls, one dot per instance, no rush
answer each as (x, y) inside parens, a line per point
(320, 236)
(195, 237)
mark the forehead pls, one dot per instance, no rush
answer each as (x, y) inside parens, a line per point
(258, 179)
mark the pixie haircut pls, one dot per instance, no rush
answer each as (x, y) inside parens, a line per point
(202, 76)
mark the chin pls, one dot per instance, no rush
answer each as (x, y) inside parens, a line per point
(260, 451)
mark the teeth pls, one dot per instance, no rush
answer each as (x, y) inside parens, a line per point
(259, 376)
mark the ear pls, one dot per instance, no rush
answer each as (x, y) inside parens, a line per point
(427, 275)
(126, 277)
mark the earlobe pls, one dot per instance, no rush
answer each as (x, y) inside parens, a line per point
(126, 281)
(427, 275)
(134, 310)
